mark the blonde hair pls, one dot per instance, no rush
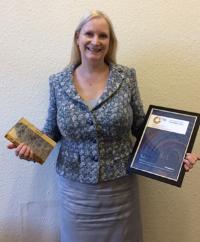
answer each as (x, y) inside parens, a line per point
(75, 53)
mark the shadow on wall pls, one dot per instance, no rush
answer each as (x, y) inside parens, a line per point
(36, 214)
(168, 79)
(168, 76)
(35, 230)
(39, 222)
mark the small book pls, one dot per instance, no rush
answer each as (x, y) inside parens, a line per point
(25, 132)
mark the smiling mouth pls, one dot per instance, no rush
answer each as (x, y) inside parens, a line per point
(95, 50)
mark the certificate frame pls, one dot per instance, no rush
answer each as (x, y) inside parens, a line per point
(167, 136)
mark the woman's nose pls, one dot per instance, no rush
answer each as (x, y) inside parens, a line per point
(95, 40)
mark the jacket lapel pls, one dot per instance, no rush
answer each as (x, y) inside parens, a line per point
(115, 79)
(67, 84)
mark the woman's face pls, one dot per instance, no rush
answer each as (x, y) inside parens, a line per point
(93, 40)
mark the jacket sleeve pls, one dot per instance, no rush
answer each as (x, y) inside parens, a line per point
(50, 128)
(137, 106)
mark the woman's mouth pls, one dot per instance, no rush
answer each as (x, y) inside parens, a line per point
(94, 49)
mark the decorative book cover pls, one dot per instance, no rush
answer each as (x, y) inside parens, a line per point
(25, 132)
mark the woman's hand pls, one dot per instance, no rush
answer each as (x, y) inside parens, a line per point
(190, 160)
(23, 151)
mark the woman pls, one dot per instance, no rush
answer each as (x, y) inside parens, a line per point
(95, 110)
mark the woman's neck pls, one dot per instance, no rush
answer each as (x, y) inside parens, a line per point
(90, 68)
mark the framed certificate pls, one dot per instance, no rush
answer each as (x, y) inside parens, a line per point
(167, 136)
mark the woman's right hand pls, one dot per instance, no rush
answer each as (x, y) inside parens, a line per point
(23, 151)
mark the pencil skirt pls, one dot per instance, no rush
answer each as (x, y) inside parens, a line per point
(104, 212)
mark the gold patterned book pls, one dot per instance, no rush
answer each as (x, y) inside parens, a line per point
(25, 132)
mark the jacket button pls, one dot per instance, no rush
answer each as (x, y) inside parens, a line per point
(90, 122)
(95, 158)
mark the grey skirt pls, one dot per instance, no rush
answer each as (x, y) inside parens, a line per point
(104, 212)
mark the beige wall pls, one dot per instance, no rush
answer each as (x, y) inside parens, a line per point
(161, 39)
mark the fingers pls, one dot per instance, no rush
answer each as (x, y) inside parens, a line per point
(190, 160)
(23, 151)
(11, 146)
(192, 157)
(19, 147)
(26, 151)
(187, 165)
(28, 155)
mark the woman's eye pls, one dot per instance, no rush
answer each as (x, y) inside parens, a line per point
(89, 34)
(103, 36)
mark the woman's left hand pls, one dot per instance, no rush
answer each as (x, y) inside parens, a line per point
(190, 160)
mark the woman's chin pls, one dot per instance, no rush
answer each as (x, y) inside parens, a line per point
(95, 56)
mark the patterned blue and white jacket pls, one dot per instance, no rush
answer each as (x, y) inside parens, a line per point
(95, 144)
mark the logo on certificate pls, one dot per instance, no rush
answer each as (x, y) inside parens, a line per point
(156, 120)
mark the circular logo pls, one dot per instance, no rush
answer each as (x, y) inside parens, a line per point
(156, 120)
